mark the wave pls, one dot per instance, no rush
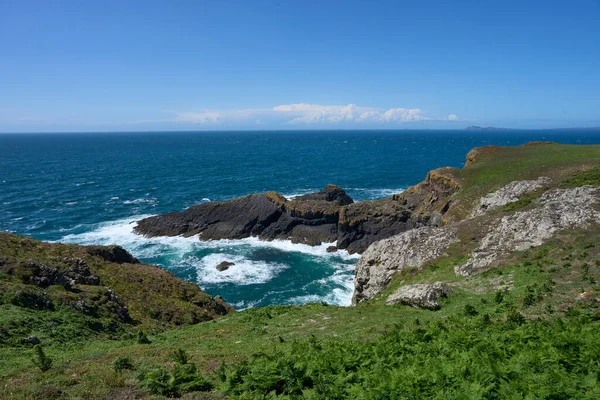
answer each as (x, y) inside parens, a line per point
(121, 232)
(196, 261)
(372, 194)
(243, 272)
(357, 194)
(338, 288)
(151, 200)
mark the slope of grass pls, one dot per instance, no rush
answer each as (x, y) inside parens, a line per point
(499, 166)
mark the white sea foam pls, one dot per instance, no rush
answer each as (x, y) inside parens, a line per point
(341, 295)
(299, 192)
(121, 232)
(243, 272)
(183, 253)
(375, 193)
(147, 200)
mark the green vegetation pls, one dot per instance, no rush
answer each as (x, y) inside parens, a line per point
(527, 328)
(40, 359)
(497, 166)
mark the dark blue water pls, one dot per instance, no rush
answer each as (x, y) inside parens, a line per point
(89, 188)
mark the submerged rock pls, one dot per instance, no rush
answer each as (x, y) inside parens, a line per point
(420, 295)
(223, 266)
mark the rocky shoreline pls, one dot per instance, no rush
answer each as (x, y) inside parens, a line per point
(328, 216)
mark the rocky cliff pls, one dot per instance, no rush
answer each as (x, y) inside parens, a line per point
(323, 217)
(497, 209)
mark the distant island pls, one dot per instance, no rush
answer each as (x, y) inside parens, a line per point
(496, 129)
(487, 128)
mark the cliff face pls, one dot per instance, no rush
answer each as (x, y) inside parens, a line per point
(323, 217)
(499, 207)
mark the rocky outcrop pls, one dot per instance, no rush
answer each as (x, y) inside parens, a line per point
(105, 284)
(479, 152)
(113, 253)
(331, 193)
(315, 218)
(508, 194)
(557, 209)
(67, 273)
(310, 219)
(363, 223)
(420, 295)
(411, 249)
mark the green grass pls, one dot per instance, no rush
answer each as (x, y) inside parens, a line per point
(305, 342)
(506, 164)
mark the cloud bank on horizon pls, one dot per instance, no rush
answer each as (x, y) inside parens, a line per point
(307, 114)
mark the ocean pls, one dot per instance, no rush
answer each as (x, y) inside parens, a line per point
(90, 188)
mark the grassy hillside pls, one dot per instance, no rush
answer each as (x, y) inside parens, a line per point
(527, 328)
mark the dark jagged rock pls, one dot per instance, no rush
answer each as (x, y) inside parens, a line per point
(233, 219)
(323, 217)
(331, 249)
(114, 253)
(331, 193)
(223, 266)
(363, 223)
(310, 219)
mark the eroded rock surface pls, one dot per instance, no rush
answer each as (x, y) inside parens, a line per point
(411, 249)
(420, 295)
(557, 210)
(315, 218)
(508, 194)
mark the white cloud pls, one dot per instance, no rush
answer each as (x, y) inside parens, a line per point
(315, 113)
(204, 117)
(304, 113)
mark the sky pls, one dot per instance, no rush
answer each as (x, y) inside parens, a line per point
(70, 66)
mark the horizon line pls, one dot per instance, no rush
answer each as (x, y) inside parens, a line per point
(482, 129)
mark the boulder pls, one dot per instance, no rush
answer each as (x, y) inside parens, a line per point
(223, 266)
(420, 295)
(331, 249)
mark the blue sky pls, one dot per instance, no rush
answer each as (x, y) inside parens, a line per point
(288, 64)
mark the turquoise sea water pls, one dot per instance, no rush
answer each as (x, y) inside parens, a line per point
(90, 188)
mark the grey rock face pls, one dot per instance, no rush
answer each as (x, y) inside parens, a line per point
(420, 295)
(77, 272)
(508, 194)
(410, 249)
(558, 209)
